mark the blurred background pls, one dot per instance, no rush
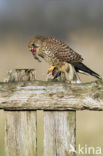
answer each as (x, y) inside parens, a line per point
(78, 23)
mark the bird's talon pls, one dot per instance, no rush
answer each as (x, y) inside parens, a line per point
(51, 69)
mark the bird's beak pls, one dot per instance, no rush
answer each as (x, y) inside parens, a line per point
(30, 49)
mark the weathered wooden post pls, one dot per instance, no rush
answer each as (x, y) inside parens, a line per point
(20, 126)
(34, 132)
(41, 116)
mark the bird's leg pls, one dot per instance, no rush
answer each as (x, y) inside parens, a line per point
(51, 69)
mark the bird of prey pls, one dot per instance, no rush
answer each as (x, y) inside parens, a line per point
(59, 55)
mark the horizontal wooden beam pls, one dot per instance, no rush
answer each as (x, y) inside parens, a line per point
(39, 95)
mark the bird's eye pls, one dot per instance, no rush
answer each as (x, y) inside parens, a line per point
(33, 44)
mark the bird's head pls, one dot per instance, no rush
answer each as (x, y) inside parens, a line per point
(34, 45)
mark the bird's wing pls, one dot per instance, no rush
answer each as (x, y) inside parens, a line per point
(68, 55)
(63, 52)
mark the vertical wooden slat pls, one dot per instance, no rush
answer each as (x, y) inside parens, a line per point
(25, 134)
(40, 132)
(20, 133)
(59, 133)
(2, 125)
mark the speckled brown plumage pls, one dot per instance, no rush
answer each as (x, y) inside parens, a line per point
(57, 53)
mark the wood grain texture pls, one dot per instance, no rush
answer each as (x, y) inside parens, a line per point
(40, 132)
(20, 133)
(38, 95)
(16, 75)
(59, 136)
(2, 133)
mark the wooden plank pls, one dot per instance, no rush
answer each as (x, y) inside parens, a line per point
(20, 133)
(60, 133)
(38, 95)
(2, 125)
(40, 132)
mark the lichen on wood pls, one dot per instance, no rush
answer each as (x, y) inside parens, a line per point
(51, 96)
(15, 75)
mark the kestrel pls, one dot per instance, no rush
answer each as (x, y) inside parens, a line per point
(58, 55)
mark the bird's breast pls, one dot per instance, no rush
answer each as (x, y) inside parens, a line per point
(49, 56)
